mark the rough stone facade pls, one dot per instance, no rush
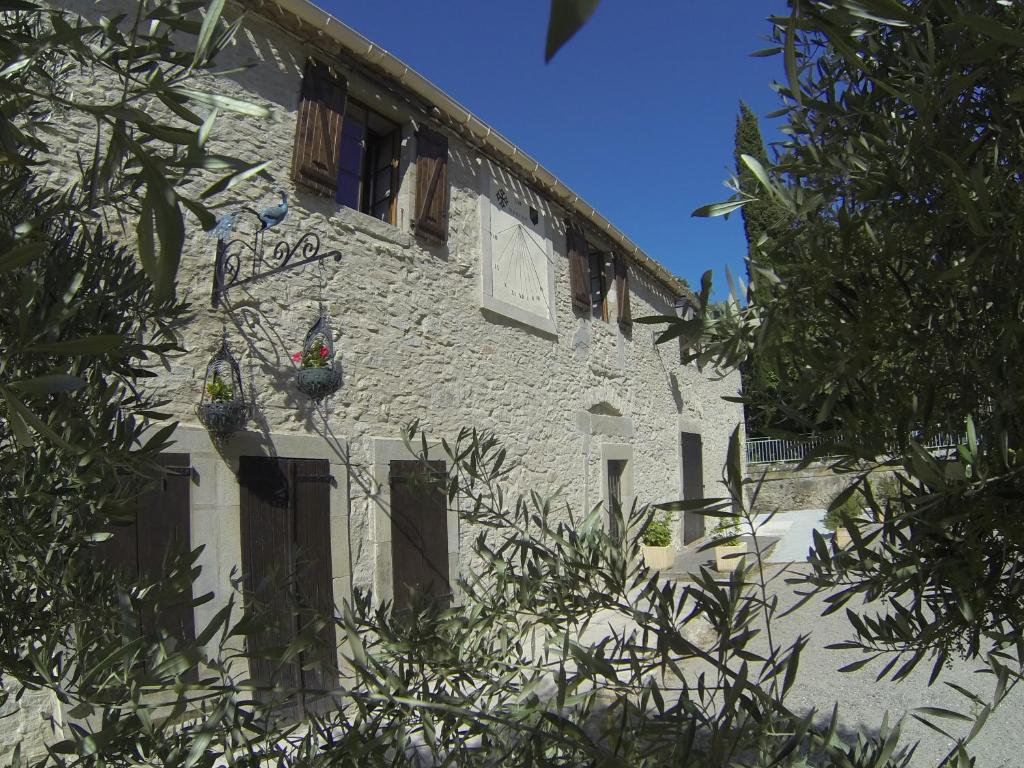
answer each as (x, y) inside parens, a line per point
(413, 340)
(415, 343)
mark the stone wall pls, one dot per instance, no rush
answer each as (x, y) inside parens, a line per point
(413, 339)
(783, 487)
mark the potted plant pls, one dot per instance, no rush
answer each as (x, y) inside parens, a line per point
(316, 376)
(729, 548)
(221, 412)
(657, 545)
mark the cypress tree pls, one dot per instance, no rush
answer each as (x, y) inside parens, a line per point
(759, 216)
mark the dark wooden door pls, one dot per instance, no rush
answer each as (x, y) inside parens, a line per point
(693, 483)
(145, 546)
(616, 468)
(286, 572)
(163, 533)
(419, 532)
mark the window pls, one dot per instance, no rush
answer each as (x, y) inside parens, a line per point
(368, 163)
(598, 284)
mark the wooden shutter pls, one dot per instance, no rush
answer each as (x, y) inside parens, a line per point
(419, 532)
(317, 149)
(164, 532)
(579, 277)
(624, 315)
(286, 570)
(142, 548)
(312, 504)
(267, 529)
(432, 185)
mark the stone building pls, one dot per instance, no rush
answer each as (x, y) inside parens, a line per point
(465, 286)
(456, 295)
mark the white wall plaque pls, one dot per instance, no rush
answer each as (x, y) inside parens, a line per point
(518, 258)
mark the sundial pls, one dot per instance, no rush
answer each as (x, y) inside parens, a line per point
(519, 252)
(518, 267)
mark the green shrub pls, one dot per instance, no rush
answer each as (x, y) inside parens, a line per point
(850, 507)
(728, 529)
(657, 533)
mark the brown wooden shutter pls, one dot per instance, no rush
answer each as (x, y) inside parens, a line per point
(312, 500)
(317, 149)
(120, 552)
(432, 185)
(267, 563)
(142, 549)
(163, 533)
(419, 532)
(579, 277)
(624, 315)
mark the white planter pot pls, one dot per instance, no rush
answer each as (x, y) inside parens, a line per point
(659, 558)
(729, 556)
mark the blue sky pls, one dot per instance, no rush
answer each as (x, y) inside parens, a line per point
(636, 113)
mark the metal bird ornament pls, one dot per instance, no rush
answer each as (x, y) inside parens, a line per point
(271, 217)
(225, 224)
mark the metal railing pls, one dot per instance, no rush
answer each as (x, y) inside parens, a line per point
(769, 450)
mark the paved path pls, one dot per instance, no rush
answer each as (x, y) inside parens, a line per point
(793, 530)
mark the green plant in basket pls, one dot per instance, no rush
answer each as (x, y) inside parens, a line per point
(219, 390)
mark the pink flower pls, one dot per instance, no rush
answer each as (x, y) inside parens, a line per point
(297, 357)
(323, 351)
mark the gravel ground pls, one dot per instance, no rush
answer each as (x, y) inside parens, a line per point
(863, 701)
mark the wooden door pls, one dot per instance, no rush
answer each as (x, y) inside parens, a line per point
(616, 469)
(144, 547)
(419, 532)
(163, 533)
(693, 483)
(286, 572)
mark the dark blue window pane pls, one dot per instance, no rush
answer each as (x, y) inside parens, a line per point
(350, 165)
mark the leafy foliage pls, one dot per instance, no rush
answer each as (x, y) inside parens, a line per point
(563, 647)
(658, 533)
(763, 220)
(219, 390)
(894, 294)
(567, 16)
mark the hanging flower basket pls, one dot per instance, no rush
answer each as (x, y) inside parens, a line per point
(317, 376)
(318, 382)
(222, 408)
(222, 418)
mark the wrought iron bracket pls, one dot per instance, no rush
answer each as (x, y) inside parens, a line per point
(230, 270)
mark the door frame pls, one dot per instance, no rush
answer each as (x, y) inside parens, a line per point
(215, 518)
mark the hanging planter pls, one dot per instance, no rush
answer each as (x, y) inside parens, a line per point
(317, 377)
(222, 408)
